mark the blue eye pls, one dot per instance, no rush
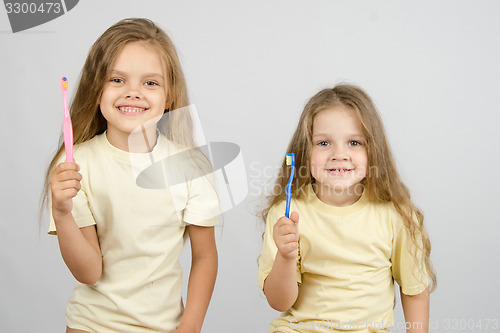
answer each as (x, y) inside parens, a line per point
(151, 83)
(116, 80)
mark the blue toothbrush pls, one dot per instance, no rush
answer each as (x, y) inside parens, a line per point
(290, 160)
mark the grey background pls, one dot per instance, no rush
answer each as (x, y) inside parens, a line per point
(431, 67)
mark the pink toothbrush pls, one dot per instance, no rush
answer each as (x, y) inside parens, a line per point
(67, 126)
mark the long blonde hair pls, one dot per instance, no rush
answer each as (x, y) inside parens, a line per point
(382, 183)
(85, 112)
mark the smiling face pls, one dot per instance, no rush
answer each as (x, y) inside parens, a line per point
(134, 93)
(339, 158)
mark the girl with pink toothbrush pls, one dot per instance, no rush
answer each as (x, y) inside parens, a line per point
(122, 242)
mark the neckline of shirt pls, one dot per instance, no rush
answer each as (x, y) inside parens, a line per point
(128, 157)
(335, 210)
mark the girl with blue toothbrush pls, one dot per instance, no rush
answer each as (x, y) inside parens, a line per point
(359, 230)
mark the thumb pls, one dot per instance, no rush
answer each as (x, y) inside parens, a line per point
(294, 217)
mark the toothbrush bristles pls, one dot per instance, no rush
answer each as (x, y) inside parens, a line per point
(288, 160)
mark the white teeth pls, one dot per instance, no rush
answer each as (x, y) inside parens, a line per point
(130, 109)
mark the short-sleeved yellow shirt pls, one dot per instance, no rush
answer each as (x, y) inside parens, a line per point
(348, 258)
(141, 233)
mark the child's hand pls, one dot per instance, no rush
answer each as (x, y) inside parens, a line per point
(286, 236)
(64, 185)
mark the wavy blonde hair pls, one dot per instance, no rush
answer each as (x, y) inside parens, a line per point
(382, 185)
(86, 115)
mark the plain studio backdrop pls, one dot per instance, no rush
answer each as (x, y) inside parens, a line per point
(430, 66)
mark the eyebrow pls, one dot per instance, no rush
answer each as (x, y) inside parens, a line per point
(349, 135)
(117, 72)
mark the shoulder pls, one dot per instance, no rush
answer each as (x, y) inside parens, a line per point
(277, 207)
(87, 156)
(386, 212)
(87, 148)
(165, 144)
(276, 211)
(183, 155)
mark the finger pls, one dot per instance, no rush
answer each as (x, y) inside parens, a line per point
(62, 195)
(68, 193)
(290, 238)
(283, 221)
(64, 185)
(67, 166)
(295, 217)
(289, 248)
(71, 184)
(67, 175)
(286, 229)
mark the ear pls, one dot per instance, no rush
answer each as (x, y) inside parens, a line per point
(168, 102)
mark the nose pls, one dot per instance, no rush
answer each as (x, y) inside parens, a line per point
(133, 92)
(339, 152)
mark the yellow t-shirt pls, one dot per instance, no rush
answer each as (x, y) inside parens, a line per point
(141, 234)
(348, 258)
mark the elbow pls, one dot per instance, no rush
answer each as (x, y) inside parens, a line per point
(281, 307)
(283, 299)
(90, 280)
(281, 303)
(89, 277)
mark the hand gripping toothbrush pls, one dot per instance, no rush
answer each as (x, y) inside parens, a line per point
(290, 160)
(67, 126)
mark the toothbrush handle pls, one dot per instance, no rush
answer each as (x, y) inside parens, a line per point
(67, 132)
(287, 211)
(289, 192)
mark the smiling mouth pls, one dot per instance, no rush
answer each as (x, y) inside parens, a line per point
(339, 172)
(131, 109)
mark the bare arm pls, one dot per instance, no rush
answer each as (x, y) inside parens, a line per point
(416, 310)
(201, 279)
(280, 286)
(79, 247)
